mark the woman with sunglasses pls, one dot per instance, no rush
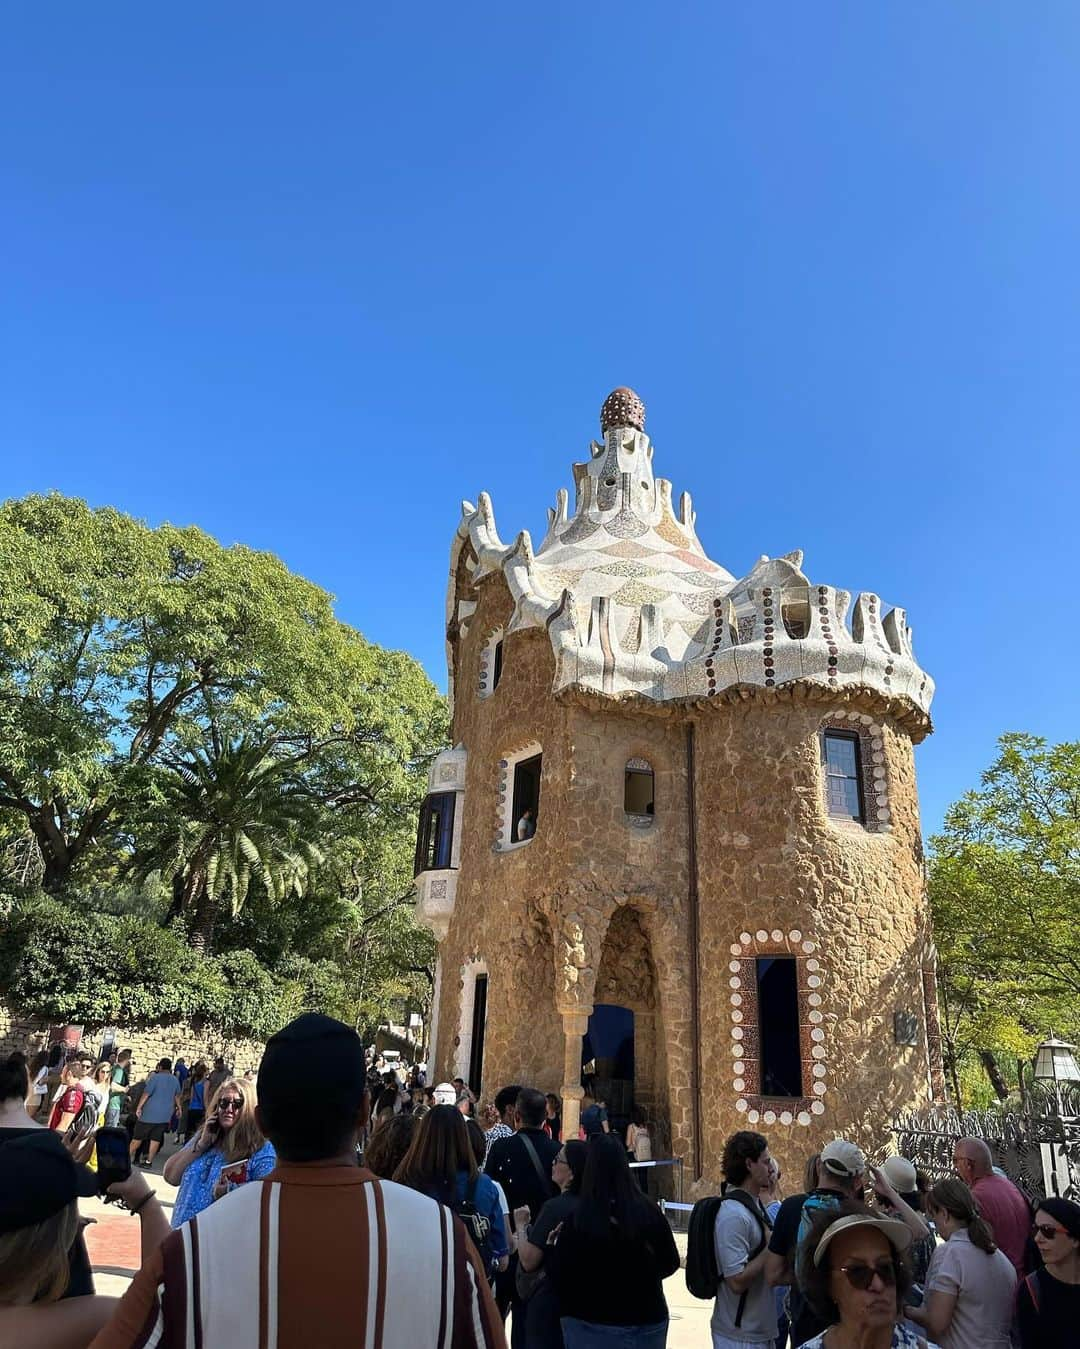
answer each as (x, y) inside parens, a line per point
(229, 1135)
(970, 1283)
(856, 1278)
(1048, 1301)
(542, 1311)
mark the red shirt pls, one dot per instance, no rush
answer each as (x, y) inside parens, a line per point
(1007, 1212)
(69, 1104)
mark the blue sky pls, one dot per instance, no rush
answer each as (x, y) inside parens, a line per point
(307, 276)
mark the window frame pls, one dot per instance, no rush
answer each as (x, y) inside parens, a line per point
(491, 663)
(526, 761)
(853, 738)
(790, 963)
(639, 767)
(438, 809)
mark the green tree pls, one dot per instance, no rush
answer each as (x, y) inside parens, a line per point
(121, 645)
(225, 817)
(1005, 891)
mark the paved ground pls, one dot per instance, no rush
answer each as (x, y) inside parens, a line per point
(113, 1243)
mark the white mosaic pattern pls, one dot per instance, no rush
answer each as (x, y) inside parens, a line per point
(620, 583)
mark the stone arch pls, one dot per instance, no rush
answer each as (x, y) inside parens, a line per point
(628, 975)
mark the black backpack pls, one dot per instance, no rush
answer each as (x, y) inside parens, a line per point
(477, 1224)
(703, 1278)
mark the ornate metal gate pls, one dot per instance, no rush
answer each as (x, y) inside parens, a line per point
(1036, 1145)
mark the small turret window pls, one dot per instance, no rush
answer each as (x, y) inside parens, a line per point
(491, 664)
(638, 788)
(796, 619)
(843, 775)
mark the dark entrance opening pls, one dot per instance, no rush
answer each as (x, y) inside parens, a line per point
(778, 1026)
(476, 1044)
(607, 1061)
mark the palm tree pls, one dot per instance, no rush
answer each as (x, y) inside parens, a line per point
(231, 814)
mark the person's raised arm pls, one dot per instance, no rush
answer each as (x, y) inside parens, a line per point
(912, 1220)
(178, 1163)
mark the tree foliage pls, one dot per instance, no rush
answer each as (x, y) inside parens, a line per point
(187, 729)
(121, 644)
(1005, 891)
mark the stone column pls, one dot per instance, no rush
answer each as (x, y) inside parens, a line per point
(575, 1024)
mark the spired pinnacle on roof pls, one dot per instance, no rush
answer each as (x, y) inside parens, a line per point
(622, 407)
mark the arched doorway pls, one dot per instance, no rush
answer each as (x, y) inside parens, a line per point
(623, 1033)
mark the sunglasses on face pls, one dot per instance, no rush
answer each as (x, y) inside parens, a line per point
(231, 1103)
(1047, 1230)
(862, 1276)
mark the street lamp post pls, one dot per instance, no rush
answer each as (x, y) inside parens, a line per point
(1055, 1063)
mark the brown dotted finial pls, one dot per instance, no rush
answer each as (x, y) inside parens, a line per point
(622, 407)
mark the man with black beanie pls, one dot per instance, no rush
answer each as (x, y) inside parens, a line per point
(311, 1255)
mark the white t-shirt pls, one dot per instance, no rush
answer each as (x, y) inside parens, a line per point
(737, 1236)
(983, 1286)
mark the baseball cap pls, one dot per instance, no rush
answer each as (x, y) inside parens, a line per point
(897, 1234)
(900, 1174)
(446, 1094)
(38, 1179)
(843, 1159)
(312, 1048)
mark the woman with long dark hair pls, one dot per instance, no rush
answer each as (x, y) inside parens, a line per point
(610, 1257)
(535, 1289)
(440, 1163)
(970, 1282)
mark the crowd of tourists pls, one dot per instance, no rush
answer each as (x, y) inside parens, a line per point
(333, 1202)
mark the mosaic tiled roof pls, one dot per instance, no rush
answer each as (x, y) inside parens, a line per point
(633, 605)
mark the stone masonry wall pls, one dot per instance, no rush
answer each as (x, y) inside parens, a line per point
(776, 875)
(148, 1046)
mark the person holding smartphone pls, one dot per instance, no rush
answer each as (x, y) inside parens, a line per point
(229, 1136)
(40, 1186)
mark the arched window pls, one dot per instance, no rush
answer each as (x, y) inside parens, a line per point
(638, 788)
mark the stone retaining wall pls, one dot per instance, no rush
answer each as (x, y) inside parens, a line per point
(147, 1045)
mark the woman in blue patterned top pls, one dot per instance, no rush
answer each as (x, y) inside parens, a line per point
(229, 1135)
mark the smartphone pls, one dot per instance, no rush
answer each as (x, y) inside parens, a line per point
(236, 1173)
(113, 1157)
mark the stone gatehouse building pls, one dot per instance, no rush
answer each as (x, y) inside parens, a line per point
(677, 838)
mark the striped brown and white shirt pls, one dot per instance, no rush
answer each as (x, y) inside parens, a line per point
(312, 1257)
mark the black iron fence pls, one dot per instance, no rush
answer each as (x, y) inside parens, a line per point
(1036, 1142)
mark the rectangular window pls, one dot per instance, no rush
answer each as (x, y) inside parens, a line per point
(778, 1026)
(476, 1044)
(435, 836)
(638, 792)
(526, 804)
(843, 778)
